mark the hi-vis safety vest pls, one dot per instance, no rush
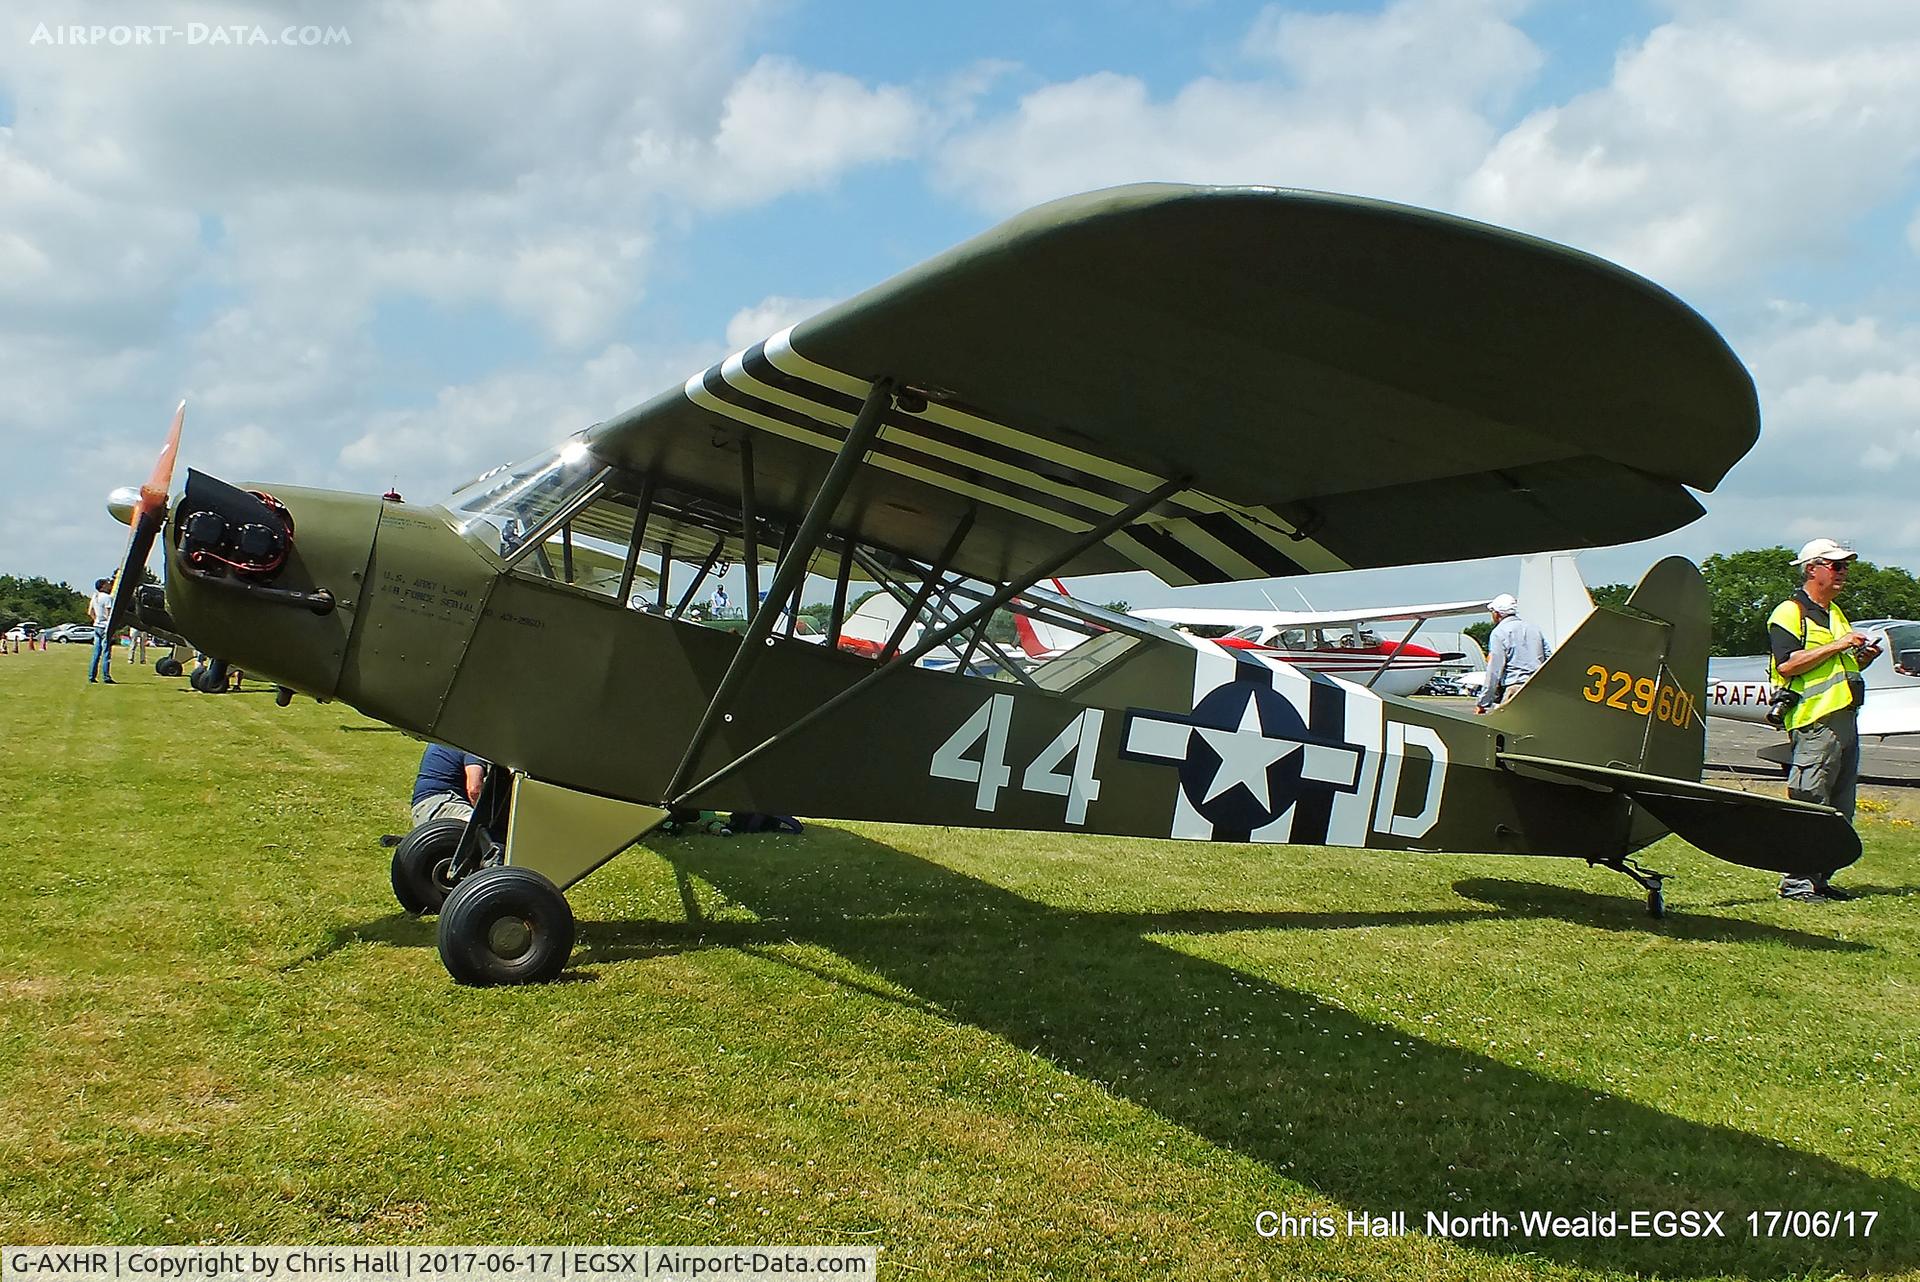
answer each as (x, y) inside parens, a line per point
(1825, 687)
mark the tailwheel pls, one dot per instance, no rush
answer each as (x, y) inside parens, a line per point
(423, 864)
(167, 666)
(1654, 882)
(505, 925)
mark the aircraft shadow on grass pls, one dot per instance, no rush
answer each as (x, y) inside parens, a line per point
(1287, 1078)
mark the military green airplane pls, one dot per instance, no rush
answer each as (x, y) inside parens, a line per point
(1209, 384)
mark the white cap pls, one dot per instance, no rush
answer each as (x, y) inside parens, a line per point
(1824, 550)
(1504, 604)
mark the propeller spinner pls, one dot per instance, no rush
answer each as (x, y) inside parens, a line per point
(146, 513)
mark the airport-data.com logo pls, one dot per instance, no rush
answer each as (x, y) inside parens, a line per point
(188, 35)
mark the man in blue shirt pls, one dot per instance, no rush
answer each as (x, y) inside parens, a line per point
(1515, 651)
(448, 784)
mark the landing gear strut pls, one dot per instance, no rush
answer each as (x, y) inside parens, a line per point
(1653, 881)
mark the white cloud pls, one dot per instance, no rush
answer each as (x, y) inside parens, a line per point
(1728, 140)
(783, 128)
(1365, 105)
(227, 222)
(505, 417)
(769, 316)
(1444, 51)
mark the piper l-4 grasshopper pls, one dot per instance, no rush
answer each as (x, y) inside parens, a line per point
(1153, 378)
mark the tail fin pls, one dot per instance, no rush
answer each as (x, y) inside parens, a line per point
(1616, 709)
(1553, 595)
(1039, 639)
(1624, 690)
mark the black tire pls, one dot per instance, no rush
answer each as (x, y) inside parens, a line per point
(168, 666)
(422, 863)
(505, 926)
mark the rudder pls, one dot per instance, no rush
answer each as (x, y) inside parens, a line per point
(1624, 691)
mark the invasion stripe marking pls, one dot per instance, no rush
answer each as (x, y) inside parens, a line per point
(1229, 542)
(1231, 529)
(1024, 462)
(1193, 535)
(1145, 557)
(898, 428)
(705, 397)
(1193, 566)
(780, 351)
(1272, 528)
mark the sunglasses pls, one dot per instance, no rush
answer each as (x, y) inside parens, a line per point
(1836, 566)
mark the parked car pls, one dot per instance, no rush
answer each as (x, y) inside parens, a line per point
(79, 633)
(25, 630)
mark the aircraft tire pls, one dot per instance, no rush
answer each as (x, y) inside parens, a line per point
(167, 666)
(505, 926)
(421, 863)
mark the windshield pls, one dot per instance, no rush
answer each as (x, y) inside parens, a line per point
(507, 504)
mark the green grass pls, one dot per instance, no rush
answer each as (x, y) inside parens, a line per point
(989, 1054)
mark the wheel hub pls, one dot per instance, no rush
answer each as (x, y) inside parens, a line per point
(510, 937)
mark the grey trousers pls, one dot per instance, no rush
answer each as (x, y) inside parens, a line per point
(441, 805)
(1826, 771)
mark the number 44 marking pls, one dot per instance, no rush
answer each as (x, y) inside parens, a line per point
(987, 729)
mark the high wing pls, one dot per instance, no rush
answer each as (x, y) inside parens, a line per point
(1288, 358)
(1178, 616)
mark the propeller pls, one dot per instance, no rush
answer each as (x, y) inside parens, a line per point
(146, 515)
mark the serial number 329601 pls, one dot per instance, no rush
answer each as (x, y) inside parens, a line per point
(1639, 695)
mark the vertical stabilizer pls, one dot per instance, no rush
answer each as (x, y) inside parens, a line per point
(1625, 689)
(1553, 594)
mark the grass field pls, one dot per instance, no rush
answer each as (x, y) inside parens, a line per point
(989, 1054)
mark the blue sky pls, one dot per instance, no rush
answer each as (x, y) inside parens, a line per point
(459, 234)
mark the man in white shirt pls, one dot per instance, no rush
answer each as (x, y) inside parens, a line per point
(101, 608)
(1515, 651)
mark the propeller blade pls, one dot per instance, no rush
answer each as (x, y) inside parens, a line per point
(148, 515)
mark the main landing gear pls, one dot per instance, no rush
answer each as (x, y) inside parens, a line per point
(1653, 881)
(504, 917)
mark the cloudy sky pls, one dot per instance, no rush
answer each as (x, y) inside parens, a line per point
(414, 240)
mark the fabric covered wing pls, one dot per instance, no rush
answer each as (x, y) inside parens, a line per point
(1341, 383)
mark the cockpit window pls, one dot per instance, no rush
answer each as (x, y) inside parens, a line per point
(1903, 641)
(507, 504)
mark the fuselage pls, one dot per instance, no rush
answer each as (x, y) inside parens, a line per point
(435, 633)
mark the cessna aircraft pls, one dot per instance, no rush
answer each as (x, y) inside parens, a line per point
(1336, 642)
(1155, 377)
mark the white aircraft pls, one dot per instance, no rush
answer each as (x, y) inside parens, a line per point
(1739, 690)
(1337, 642)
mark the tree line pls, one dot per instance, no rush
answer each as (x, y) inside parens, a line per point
(41, 600)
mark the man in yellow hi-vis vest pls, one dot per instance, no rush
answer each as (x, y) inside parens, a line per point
(1817, 657)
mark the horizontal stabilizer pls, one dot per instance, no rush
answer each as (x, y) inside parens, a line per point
(1745, 828)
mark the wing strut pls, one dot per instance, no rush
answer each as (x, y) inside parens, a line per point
(706, 568)
(641, 511)
(941, 609)
(1394, 653)
(749, 529)
(787, 575)
(935, 572)
(840, 593)
(1112, 525)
